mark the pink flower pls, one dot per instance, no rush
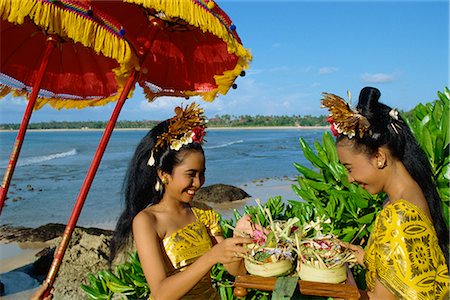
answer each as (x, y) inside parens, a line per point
(259, 237)
(198, 134)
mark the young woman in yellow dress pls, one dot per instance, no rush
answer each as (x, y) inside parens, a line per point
(407, 253)
(177, 244)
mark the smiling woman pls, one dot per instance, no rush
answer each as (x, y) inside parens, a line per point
(177, 244)
(407, 253)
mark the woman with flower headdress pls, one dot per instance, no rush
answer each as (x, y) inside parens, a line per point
(407, 253)
(177, 244)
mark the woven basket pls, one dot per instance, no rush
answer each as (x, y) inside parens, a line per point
(315, 273)
(271, 269)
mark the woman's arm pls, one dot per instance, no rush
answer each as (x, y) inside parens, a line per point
(151, 258)
(380, 292)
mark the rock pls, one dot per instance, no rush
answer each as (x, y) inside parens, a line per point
(41, 234)
(220, 193)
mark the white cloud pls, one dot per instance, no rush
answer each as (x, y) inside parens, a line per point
(327, 70)
(278, 69)
(378, 77)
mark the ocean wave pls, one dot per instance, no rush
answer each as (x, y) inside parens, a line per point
(224, 145)
(38, 159)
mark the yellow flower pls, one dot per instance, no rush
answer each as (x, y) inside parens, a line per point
(187, 138)
(175, 145)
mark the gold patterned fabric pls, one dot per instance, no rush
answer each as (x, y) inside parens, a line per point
(404, 255)
(187, 244)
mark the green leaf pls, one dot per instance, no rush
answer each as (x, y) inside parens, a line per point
(310, 155)
(119, 288)
(366, 219)
(94, 294)
(446, 211)
(308, 173)
(330, 147)
(349, 234)
(360, 201)
(319, 186)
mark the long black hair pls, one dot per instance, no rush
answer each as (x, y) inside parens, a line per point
(390, 130)
(139, 186)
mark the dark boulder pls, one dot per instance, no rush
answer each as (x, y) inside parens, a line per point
(43, 233)
(220, 193)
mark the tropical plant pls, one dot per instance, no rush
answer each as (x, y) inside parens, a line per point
(430, 125)
(127, 282)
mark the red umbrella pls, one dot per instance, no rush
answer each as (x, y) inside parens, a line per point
(55, 52)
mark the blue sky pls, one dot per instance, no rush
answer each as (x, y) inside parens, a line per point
(303, 48)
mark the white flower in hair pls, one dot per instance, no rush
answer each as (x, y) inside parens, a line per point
(175, 145)
(187, 138)
(394, 114)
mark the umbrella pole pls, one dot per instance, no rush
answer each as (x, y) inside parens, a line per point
(57, 259)
(51, 42)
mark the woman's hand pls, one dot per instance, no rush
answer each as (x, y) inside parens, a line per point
(245, 226)
(230, 250)
(358, 251)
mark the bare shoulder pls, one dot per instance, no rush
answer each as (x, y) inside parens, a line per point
(149, 221)
(145, 216)
(145, 220)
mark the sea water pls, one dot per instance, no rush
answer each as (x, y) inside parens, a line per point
(53, 164)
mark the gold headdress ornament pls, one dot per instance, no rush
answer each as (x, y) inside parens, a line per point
(187, 126)
(343, 118)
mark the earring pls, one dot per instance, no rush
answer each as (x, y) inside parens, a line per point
(164, 180)
(157, 186)
(380, 165)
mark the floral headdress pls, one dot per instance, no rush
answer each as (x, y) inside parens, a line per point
(343, 118)
(187, 126)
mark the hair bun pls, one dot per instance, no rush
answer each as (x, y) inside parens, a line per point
(368, 100)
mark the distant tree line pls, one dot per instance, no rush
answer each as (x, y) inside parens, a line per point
(217, 121)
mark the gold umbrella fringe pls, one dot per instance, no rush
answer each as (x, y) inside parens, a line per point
(60, 103)
(223, 82)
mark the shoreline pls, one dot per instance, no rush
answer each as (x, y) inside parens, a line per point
(209, 128)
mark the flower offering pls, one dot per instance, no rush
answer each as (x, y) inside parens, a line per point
(273, 251)
(320, 256)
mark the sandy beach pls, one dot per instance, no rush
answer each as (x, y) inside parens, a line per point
(17, 257)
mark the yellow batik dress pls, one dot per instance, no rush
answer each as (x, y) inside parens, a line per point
(404, 255)
(187, 244)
